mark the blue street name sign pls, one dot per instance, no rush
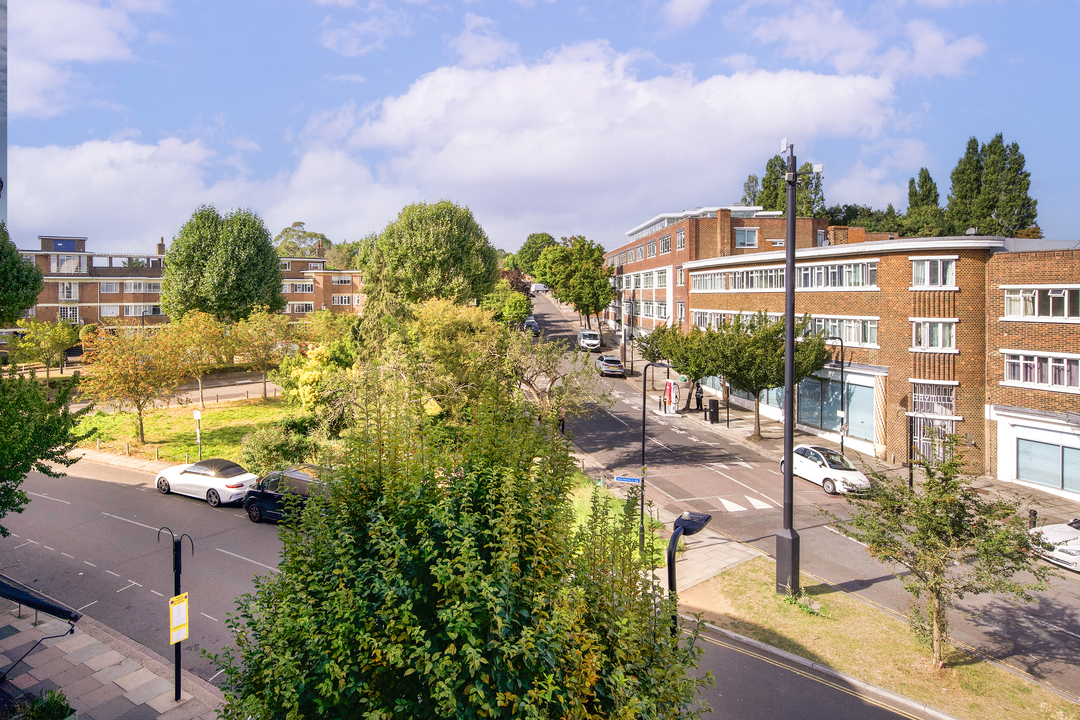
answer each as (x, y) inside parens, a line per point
(627, 479)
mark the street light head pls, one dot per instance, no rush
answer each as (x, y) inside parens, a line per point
(783, 146)
(692, 522)
(819, 168)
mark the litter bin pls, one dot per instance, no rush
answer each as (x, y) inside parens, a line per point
(714, 410)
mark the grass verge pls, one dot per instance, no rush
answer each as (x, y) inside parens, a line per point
(859, 640)
(171, 431)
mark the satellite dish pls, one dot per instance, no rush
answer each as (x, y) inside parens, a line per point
(783, 146)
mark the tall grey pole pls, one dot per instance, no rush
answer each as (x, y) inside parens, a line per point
(787, 540)
(644, 380)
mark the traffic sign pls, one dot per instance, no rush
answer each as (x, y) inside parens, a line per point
(627, 479)
(178, 618)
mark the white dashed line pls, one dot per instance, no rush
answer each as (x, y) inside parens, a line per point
(46, 497)
(86, 606)
(66, 555)
(89, 563)
(49, 548)
(207, 616)
(241, 557)
(127, 586)
(24, 544)
(112, 573)
(117, 517)
(834, 531)
(157, 593)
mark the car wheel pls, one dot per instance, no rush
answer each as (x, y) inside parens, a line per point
(163, 486)
(212, 498)
(254, 512)
(781, 467)
(829, 486)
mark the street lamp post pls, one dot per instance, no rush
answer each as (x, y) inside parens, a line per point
(689, 523)
(644, 384)
(843, 394)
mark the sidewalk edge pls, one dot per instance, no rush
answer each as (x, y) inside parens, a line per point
(194, 685)
(826, 670)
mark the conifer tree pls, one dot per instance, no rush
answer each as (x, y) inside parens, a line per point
(966, 182)
(751, 190)
(1004, 206)
(773, 190)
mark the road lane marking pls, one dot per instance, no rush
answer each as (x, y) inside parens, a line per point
(117, 517)
(207, 616)
(758, 505)
(157, 593)
(127, 586)
(112, 573)
(755, 490)
(86, 606)
(721, 465)
(241, 557)
(66, 555)
(661, 444)
(730, 506)
(49, 548)
(89, 563)
(617, 418)
(46, 497)
(1050, 626)
(744, 464)
(25, 543)
(834, 531)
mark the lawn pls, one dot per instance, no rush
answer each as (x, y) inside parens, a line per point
(171, 431)
(866, 643)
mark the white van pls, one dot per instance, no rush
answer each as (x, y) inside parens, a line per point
(588, 340)
(539, 287)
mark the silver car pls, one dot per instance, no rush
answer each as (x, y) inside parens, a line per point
(1064, 542)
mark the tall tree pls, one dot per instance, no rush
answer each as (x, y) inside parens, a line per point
(773, 188)
(295, 241)
(591, 290)
(810, 195)
(1004, 206)
(432, 251)
(751, 190)
(950, 540)
(556, 378)
(22, 281)
(438, 577)
(263, 339)
(133, 366)
(922, 193)
(44, 341)
(531, 249)
(224, 266)
(966, 185)
(344, 255)
(199, 343)
(924, 217)
(555, 269)
(751, 352)
(695, 354)
(39, 431)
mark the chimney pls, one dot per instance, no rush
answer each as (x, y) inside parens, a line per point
(161, 247)
(319, 249)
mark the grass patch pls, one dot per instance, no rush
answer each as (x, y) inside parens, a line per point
(868, 644)
(171, 431)
(581, 501)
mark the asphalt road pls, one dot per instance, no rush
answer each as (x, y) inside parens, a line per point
(90, 540)
(692, 468)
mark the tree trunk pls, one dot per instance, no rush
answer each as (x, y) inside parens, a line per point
(264, 386)
(202, 403)
(933, 607)
(756, 437)
(142, 437)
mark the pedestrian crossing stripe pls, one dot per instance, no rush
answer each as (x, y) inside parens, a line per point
(758, 505)
(730, 506)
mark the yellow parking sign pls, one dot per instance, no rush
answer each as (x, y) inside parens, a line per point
(178, 618)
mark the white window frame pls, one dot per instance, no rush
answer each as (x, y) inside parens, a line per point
(69, 313)
(681, 276)
(680, 308)
(341, 299)
(665, 245)
(650, 249)
(285, 265)
(314, 266)
(109, 310)
(680, 239)
(943, 267)
(640, 252)
(301, 308)
(925, 332)
(746, 235)
(1057, 372)
(303, 287)
(67, 291)
(661, 310)
(341, 280)
(661, 279)
(109, 288)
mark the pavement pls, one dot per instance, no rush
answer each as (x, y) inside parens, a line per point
(106, 676)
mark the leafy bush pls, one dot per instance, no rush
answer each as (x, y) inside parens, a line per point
(272, 448)
(50, 705)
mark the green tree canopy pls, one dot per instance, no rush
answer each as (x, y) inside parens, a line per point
(199, 343)
(950, 540)
(295, 241)
(1004, 206)
(432, 251)
(695, 353)
(22, 281)
(224, 266)
(439, 576)
(575, 272)
(39, 431)
(751, 350)
(751, 190)
(531, 249)
(263, 339)
(773, 187)
(966, 180)
(45, 341)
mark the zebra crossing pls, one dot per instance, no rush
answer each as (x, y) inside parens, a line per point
(755, 503)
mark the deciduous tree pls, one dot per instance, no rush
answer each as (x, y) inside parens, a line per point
(966, 180)
(22, 281)
(695, 353)
(949, 540)
(531, 249)
(263, 339)
(224, 266)
(773, 188)
(39, 431)
(751, 190)
(133, 366)
(1004, 206)
(558, 380)
(45, 341)
(432, 251)
(295, 241)
(751, 352)
(199, 342)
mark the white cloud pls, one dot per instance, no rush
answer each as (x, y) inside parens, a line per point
(49, 37)
(479, 45)
(679, 14)
(576, 142)
(361, 38)
(818, 31)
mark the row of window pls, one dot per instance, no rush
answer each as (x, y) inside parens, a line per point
(1042, 302)
(297, 287)
(71, 312)
(649, 249)
(839, 275)
(648, 309)
(642, 280)
(854, 331)
(287, 265)
(1043, 370)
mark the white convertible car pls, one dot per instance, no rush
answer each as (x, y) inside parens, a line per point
(1065, 541)
(217, 480)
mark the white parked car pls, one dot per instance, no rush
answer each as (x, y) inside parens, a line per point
(828, 468)
(217, 480)
(1065, 539)
(588, 340)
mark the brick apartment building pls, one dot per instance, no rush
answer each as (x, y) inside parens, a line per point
(85, 287)
(973, 335)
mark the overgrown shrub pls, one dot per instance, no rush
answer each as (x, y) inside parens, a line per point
(272, 448)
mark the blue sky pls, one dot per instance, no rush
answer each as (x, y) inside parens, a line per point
(559, 117)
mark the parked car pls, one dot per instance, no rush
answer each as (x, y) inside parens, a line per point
(588, 340)
(610, 365)
(539, 287)
(216, 479)
(1065, 541)
(271, 497)
(532, 326)
(827, 468)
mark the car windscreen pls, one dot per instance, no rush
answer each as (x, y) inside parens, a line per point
(835, 460)
(587, 335)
